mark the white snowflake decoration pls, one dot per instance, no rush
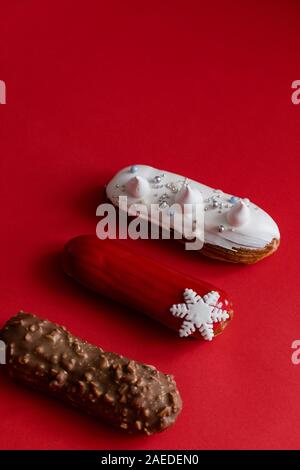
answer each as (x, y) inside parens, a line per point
(199, 313)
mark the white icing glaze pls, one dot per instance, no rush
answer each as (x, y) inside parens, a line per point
(199, 313)
(238, 214)
(256, 233)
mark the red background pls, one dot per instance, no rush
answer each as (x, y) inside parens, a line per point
(199, 88)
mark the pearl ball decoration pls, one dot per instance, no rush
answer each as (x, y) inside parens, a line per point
(133, 169)
(215, 204)
(233, 200)
(157, 179)
(221, 228)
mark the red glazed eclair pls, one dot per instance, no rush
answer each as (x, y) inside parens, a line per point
(185, 304)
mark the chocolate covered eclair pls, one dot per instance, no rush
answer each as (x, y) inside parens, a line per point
(125, 393)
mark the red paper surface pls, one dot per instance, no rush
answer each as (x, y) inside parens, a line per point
(198, 88)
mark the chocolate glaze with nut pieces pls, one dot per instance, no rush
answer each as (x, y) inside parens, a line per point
(128, 394)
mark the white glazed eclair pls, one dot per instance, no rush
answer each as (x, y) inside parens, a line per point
(235, 229)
